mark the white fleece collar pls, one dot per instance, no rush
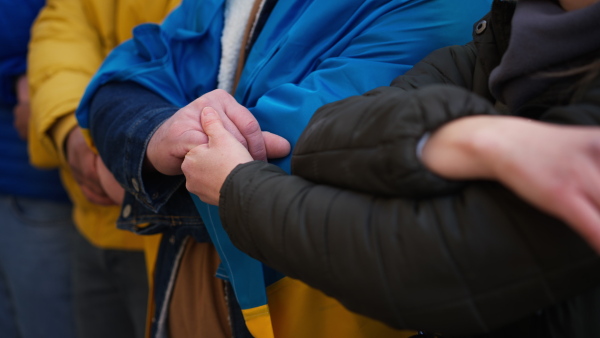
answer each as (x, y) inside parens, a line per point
(237, 13)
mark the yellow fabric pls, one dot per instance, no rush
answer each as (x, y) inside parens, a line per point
(258, 321)
(84, 31)
(299, 311)
(151, 245)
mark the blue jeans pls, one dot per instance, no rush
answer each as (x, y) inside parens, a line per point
(35, 268)
(110, 291)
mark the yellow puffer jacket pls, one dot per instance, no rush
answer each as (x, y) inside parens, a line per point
(70, 39)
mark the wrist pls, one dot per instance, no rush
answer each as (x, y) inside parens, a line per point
(466, 148)
(492, 141)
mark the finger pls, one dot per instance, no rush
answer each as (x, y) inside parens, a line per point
(276, 146)
(96, 198)
(109, 184)
(593, 179)
(94, 186)
(584, 217)
(213, 125)
(249, 128)
(232, 128)
(92, 179)
(189, 141)
(191, 158)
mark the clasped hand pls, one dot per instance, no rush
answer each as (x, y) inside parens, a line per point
(206, 139)
(183, 131)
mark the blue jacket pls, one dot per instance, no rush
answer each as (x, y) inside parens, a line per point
(309, 53)
(17, 176)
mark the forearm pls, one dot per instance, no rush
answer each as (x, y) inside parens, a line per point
(473, 147)
(379, 156)
(123, 118)
(369, 252)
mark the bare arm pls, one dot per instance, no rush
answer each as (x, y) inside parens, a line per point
(556, 168)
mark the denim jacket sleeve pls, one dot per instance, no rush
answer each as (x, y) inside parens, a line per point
(130, 110)
(121, 129)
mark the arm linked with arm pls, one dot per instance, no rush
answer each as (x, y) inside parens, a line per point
(453, 261)
(455, 264)
(123, 116)
(380, 154)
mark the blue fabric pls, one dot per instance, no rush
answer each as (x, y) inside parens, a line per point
(15, 23)
(297, 65)
(110, 291)
(172, 243)
(309, 53)
(113, 104)
(35, 268)
(16, 175)
(243, 272)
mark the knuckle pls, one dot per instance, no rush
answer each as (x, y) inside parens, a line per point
(260, 154)
(185, 166)
(220, 92)
(251, 128)
(201, 102)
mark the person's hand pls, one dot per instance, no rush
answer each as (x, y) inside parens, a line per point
(556, 168)
(109, 184)
(183, 131)
(22, 110)
(83, 163)
(207, 166)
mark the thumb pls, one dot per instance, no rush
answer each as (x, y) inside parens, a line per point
(212, 123)
(276, 145)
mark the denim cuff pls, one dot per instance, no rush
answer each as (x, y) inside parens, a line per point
(150, 188)
(123, 118)
(178, 211)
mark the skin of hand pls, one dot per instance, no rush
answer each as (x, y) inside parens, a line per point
(554, 167)
(111, 187)
(183, 131)
(22, 110)
(207, 166)
(83, 163)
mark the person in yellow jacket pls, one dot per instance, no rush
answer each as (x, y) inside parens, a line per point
(70, 39)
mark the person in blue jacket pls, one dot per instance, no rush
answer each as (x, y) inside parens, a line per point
(36, 228)
(143, 107)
